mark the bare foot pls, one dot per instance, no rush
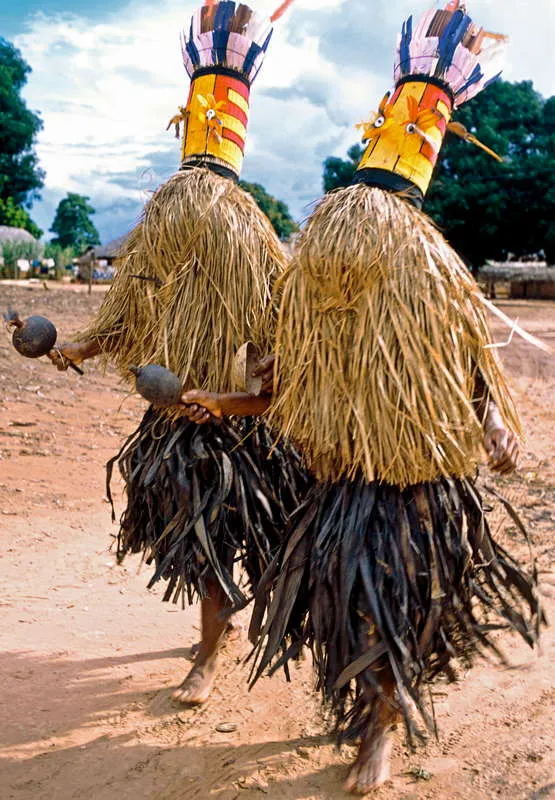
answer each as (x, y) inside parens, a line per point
(372, 765)
(197, 686)
(233, 631)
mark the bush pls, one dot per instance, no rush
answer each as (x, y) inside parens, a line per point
(12, 250)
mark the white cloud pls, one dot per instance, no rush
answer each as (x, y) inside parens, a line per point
(106, 92)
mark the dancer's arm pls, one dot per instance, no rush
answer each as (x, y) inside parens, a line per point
(500, 443)
(76, 352)
(238, 404)
(201, 407)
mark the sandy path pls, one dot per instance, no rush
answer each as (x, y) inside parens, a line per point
(89, 656)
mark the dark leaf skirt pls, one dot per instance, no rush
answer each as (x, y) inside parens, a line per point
(199, 497)
(388, 586)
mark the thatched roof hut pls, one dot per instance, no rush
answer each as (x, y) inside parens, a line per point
(101, 259)
(9, 234)
(103, 252)
(17, 247)
(530, 280)
(110, 251)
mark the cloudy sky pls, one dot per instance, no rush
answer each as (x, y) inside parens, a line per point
(108, 76)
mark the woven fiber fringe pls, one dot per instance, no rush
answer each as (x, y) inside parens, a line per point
(198, 497)
(206, 257)
(382, 327)
(387, 587)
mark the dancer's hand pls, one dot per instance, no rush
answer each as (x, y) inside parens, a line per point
(198, 414)
(201, 407)
(500, 443)
(502, 448)
(63, 354)
(265, 370)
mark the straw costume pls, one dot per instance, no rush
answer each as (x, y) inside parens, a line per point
(194, 283)
(385, 380)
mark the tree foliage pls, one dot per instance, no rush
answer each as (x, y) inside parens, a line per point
(276, 210)
(488, 209)
(339, 172)
(17, 217)
(63, 256)
(20, 176)
(72, 224)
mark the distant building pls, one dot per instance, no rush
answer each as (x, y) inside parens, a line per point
(526, 280)
(101, 259)
(18, 251)
(13, 236)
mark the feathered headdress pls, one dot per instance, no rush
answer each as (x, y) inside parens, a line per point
(447, 46)
(441, 62)
(222, 52)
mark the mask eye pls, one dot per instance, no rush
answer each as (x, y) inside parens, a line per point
(411, 128)
(210, 114)
(379, 121)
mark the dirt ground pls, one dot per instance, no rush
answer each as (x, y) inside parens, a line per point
(88, 656)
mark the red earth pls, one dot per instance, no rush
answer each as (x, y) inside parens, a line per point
(89, 657)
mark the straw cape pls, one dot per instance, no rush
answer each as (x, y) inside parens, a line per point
(384, 372)
(388, 330)
(194, 283)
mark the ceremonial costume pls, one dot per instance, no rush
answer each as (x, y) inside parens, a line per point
(384, 372)
(194, 283)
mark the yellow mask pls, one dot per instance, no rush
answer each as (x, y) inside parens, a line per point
(406, 134)
(216, 117)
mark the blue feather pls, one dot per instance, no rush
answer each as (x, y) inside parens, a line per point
(406, 38)
(475, 76)
(224, 14)
(267, 41)
(191, 48)
(492, 80)
(252, 54)
(450, 38)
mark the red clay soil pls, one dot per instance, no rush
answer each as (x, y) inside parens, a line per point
(89, 657)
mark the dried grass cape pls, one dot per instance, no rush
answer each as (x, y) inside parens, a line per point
(389, 570)
(386, 329)
(198, 496)
(193, 284)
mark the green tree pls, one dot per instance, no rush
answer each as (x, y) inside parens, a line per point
(63, 257)
(488, 209)
(73, 225)
(276, 210)
(338, 172)
(20, 176)
(17, 217)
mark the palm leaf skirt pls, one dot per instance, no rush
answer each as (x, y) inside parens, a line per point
(383, 583)
(201, 496)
